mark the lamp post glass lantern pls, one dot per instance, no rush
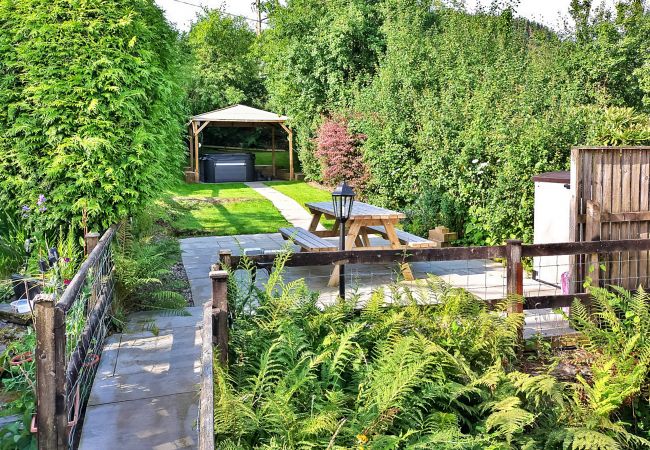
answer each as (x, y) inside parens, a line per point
(342, 200)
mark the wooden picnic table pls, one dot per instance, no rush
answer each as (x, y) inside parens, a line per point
(364, 220)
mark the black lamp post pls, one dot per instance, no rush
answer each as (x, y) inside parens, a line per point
(342, 198)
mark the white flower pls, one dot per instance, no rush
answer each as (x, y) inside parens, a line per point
(474, 161)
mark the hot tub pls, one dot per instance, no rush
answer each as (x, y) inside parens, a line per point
(227, 167)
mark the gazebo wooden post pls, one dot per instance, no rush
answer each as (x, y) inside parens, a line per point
(273, 148)
(191, 139)
(291, 175)
(196, 152)
(290, 133)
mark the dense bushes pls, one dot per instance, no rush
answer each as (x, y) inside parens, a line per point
(224, 68)
(461, 110)
(91, 107)
(435, 377)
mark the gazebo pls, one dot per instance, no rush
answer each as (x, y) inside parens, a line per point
(237, 116)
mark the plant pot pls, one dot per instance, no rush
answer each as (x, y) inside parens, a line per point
(21, 287)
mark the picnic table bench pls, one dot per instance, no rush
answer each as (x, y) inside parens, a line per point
(367, 219)
(307, 240)
(408, 239)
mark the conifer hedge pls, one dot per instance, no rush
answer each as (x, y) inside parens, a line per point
(92, 107)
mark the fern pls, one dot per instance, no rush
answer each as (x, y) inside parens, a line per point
(400, 374)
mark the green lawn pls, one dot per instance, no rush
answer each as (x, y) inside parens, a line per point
(303, 193)
(217, 209)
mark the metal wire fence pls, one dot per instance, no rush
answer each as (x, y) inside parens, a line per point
(547, 278)
(78, 322)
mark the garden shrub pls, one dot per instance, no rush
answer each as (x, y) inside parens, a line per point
(92, 111)
(464, 107)
(338, 151)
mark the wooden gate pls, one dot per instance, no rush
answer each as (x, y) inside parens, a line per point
(610, 201)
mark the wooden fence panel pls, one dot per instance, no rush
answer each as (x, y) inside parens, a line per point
(615, 180)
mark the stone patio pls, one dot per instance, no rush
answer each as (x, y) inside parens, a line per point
(145, 393)
(484, 278)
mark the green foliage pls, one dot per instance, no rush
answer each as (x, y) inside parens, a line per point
(92, 107)
(403, 375)
(315, 53)
(142, 266)
(225, 68)
(19, 382)
(460, 109)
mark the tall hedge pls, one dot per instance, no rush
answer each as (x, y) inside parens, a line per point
(461, 109)
(92, 107)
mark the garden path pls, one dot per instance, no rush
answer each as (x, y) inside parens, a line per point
(145, 393)
(290, 209)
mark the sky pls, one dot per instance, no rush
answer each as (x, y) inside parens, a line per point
(183, 12)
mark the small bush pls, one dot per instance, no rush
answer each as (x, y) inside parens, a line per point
(339, 153)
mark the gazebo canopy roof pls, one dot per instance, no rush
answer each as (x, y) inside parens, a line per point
(241, 114)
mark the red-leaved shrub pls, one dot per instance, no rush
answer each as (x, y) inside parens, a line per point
(340, 155)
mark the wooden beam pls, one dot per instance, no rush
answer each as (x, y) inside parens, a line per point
(273, 150)
(220, 330)
(196, 152)
(202, 127)
(581, 248)
(191, 147)
(635, 216)
(373, 256)
(592, 233)
(206, 396)
(213, 124)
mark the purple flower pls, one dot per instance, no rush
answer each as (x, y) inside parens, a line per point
(25, 208)
(67, 260)
(42, 209)
(41, 200)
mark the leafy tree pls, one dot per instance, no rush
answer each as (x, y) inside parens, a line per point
(92, 107)
(460, 109)
(225, 67)
(314, 54)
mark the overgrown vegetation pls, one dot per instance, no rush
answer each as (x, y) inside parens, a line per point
(459, 109)
(144, 259)
(441, 376)
(92, 107)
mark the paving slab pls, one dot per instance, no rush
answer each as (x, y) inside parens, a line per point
(158, 423)
(146, 391)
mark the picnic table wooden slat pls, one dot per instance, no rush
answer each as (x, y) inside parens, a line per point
(360, 210)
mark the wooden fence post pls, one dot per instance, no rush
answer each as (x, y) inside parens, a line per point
(220, 312)
(225, 259)
(514, 276)
(592, 233)
(51, 412)
(91, 240)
